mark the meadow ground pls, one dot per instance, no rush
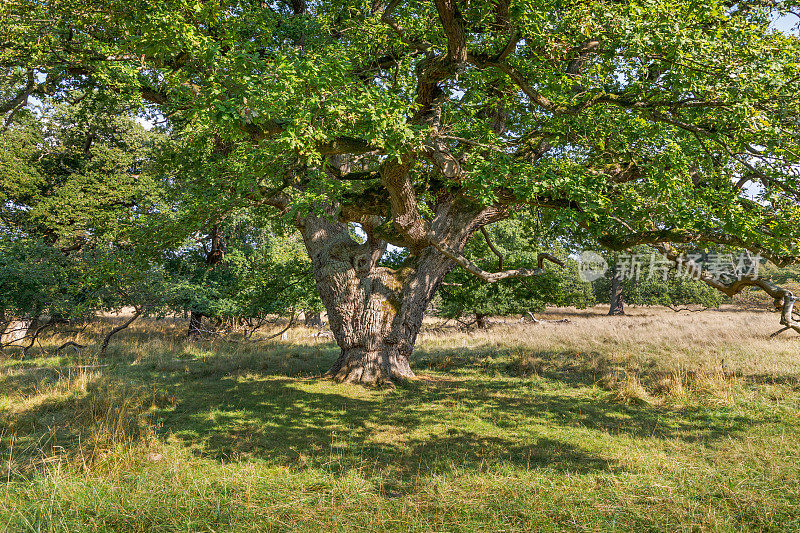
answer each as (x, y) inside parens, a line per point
(658, 421)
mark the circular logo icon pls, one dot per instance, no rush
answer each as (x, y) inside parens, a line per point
(591, 266)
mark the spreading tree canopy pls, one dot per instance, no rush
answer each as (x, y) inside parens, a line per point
(646, 122)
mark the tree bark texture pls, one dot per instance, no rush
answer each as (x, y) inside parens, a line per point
(375, 312)
(616, 294)
(195, 324)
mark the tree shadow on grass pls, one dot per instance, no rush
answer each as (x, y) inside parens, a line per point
(443, 423)
(575, 368)
(448, 421)
(513, 404)
(570, 367)
(402, 433)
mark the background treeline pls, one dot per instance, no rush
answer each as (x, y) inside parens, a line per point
(94, 221)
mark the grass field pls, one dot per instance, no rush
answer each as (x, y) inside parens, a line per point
(657, 421)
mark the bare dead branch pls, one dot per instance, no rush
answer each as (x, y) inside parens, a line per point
(278, 334)
(679, 309)
(785, 328)
(72, 344)
(543, 321)
(35, 335)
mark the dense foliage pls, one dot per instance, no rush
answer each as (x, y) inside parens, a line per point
(90, 217)
(262, 271)
(76, 190)
(674, 291)
(638, 114)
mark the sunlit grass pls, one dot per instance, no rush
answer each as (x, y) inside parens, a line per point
(655, 421)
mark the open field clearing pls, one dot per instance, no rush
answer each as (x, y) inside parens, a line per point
(656, 421)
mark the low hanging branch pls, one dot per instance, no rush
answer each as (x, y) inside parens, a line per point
(72, 344)
(493, 277)
(783, 298)
(284, 330)
(291, 323)
(248, 333)
(36, 334)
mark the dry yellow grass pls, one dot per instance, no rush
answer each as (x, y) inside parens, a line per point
(738, 339)
(650, 354)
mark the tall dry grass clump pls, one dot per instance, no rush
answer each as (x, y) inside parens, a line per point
(103, 422)
(652, 355)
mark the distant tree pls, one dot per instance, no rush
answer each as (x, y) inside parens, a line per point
(91, 215)
(240, 272)
(37, 281)
(639, 287)
(75, 175)
(211, 252)
(76, 183)
(616, 289)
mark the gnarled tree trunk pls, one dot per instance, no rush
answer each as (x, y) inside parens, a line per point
(375, 312)
(481, 321)
(195, 324)
(364, 304)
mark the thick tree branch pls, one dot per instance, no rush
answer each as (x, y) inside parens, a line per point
(493, 277)
(19, 100)
(117, 329)
(579, 55)
(533, 95)
(623, 242)
(453, 25)
(388, 19)
(783, 298)
(492, 247)
(406, 217)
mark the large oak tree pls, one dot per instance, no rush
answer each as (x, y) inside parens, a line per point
(644, 122)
